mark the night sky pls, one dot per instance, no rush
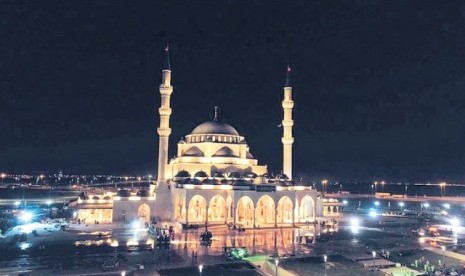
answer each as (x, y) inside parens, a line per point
(379, 86)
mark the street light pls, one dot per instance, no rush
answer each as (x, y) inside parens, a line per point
(324, 182)
(443, 251)
(382, 185)
(442, 185)
(372, 190)
(123, 273)
(374, 260)
(325, 259)
(276, 262)
(200, 269)
(2, 176)
(376, 185)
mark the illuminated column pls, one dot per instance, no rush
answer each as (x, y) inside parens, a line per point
(206, 216)
(275, 217)
(287, 124)
(163, 205)
(164, 130)
(253, 218)
(187, 216)
(293, 216)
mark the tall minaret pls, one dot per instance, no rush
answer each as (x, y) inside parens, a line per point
(287, 124)
(163, 203)
(164, 130)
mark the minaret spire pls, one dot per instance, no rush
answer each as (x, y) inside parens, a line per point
(287, 123)
(288, 76)
(215, 119)
(163, 194)
(167, 64)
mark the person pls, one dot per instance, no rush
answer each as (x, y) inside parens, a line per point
(195, 256)
(192, 256)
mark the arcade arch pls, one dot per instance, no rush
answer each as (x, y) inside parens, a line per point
(285, 209)
(197, 209)
(143, 212)
(265, 211)
(245, 212)
(217, 209)
(306, 209)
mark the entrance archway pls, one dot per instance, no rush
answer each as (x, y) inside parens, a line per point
(285, 209)
(197, 209)
(265, 211)
(306, 209)
(144, 213)
(244, 212)
(217, 209)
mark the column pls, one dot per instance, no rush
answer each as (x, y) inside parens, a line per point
(276, 217)
(206, 216)
(234, 214)
(293, 216)
(187, 216)
(254, 218)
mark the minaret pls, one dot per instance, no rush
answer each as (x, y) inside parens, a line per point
(164, 130)
(163, 193)
(287, 124)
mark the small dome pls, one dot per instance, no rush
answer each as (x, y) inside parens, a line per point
(123, 193)
(211, 181)
(241, 182)
(96, 197)
(234, 175)
(194, 181)
(194, 151)
(250, 175)
(143, 193)
(224, 152)
(282, 177)
(218, 174)
(215, 127)
(226, 182)
(200, 174)
(107, 198)
(183, 174)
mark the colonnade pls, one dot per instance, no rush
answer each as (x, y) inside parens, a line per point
(246, 213)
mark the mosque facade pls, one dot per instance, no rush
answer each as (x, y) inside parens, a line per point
(214, 179)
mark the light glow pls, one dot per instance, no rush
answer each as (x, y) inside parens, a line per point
(26, 216)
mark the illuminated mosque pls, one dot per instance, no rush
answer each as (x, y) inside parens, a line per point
(213, 179)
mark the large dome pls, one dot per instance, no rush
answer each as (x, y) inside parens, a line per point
(215, 127)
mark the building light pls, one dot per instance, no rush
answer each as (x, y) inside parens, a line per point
(134, 198)
(226, 187)
(188, 186)
(117, 198)
(207, 187)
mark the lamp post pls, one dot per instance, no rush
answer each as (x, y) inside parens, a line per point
(442, 186)
(374, 260)
(382, 185)
(443, 251)
(200, 269)
(376, 185)
(276, 262)
(325, 258)
(372, 190)
(2, 176)
(324, 182)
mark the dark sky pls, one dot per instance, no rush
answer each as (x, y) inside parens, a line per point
(379, 85)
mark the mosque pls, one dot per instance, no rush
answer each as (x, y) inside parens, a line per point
(213, 179)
